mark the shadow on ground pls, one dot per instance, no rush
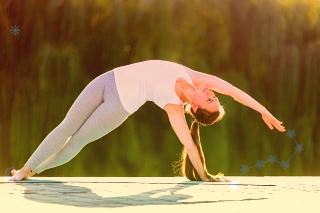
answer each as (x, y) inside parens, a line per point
(59, 193)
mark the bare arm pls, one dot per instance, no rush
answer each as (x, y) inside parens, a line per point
(221, 86)
(180, 127)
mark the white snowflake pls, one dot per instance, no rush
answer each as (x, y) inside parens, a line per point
(15, 30)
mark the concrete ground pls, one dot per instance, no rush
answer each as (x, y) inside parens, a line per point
(148, 194)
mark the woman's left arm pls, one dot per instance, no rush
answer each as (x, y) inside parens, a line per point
(221, 86)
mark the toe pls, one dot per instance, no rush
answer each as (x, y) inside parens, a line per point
(11, 179)
(13, 172)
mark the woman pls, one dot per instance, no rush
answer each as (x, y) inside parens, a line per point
(109, 99)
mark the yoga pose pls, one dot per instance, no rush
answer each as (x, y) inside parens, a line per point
(109, 99)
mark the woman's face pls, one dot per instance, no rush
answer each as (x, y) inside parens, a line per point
(206, 99)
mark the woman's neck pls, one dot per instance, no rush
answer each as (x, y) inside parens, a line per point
(185, 91)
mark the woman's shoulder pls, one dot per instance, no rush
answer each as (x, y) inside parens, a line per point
(195, 76)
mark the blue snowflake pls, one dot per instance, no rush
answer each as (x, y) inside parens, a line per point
(285, 164)
(272, 159)
(291, 133)
(15, 30)
(299, 147)
(244, 169)
(260, 164)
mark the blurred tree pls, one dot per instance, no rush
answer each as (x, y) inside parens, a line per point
(269, 49)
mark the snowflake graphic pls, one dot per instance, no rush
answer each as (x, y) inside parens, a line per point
(291, 133)
(273, 160)
(298, 147)
(260, 164)
(244, 169)
(284, 164)
(15, 30)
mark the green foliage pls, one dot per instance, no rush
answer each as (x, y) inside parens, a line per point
(269, 49)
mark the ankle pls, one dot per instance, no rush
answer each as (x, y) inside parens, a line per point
(28, 170)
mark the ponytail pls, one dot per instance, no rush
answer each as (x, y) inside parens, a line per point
(186, 167)
(203, 117)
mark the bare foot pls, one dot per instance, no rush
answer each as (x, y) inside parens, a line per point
(22, 174)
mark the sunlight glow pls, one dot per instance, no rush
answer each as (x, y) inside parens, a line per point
(234, 185)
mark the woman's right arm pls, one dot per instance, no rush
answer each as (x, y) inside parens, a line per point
(180, 127)
(221, 86)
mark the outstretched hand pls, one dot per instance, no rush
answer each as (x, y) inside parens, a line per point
(271, 121)
(217, 178)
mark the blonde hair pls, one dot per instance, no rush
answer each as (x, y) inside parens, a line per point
(184, 166)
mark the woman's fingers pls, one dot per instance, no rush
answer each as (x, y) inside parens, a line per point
(217, 178)
(276, 121)
(273, 122)
(225, 179)
(267, 122)
(273, 118)
(277, 125)
(280, 128)
(270, 117)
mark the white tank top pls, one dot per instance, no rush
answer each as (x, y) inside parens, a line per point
(151, 80)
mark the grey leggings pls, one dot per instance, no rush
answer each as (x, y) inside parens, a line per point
(96, 112)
